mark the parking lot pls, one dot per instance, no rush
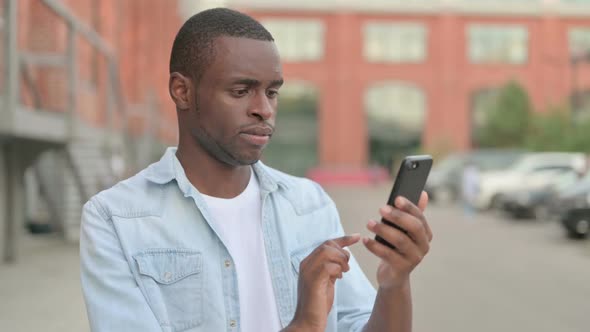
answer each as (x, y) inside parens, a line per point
(485, 273)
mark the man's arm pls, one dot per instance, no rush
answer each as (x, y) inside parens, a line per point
(393, 306)
(114, 302)
(392, 310)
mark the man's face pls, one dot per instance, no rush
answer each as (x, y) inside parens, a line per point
(236, 100)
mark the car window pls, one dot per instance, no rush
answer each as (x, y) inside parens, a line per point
(551, 169)
(449, 163)
(494, 160)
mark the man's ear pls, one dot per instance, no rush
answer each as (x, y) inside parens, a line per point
(181, 89)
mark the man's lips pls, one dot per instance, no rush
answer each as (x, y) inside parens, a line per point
(257, 135)
(256, 139)
(258, 131)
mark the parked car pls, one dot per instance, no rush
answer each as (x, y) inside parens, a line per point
(577, 222)
(493, 185)
(444, 181)
(572, 205)
(539, 192)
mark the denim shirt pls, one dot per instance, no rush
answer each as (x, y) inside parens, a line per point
(152, 260)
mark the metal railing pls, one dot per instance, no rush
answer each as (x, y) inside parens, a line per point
(17, 65)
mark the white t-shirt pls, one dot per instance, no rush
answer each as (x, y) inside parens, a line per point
(239, 221)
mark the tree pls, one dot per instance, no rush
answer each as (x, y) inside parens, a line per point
(554, 130)
(507, 118)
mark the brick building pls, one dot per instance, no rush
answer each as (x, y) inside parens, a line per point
(392, 70)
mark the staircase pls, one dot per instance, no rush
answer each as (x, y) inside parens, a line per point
(88, 170)
(68, 160)
(64, 179)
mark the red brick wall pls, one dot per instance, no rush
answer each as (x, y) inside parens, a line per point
(139, 31)
(148, 28)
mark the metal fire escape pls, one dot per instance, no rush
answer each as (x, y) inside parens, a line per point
(68, 159)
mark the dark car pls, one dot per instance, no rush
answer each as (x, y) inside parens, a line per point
(444, 181)
(572, 197)
(529, 203)
(573, 207)
(577, 222)
(537, 200)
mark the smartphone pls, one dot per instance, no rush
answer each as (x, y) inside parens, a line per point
(409, 183)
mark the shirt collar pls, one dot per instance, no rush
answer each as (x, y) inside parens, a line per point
(168, 168)
(162, 172)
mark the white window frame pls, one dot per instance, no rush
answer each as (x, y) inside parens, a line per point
(477, 49)
(395, 42)
(298, 40)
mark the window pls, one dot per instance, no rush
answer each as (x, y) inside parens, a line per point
(297, 40)
(497, 43)
(396, 114)
(394, 42)
(579, 40)
(294, 145)
(396, 104)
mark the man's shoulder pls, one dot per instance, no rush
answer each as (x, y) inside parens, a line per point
(293, 182)
(133, 197)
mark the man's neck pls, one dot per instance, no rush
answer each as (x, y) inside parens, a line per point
(212, 177)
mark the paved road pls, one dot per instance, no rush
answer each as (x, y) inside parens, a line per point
(487, 273)
(483, 274)
(42, 291)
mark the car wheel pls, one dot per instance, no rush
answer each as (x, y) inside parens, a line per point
(582, 227)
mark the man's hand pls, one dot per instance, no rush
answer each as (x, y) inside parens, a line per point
(396, 265)
(317, 275)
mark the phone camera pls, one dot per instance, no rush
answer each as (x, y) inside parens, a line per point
(414, 165)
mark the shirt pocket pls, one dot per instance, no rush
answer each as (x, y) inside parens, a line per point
(172, 280)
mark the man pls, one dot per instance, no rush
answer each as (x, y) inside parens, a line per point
(470, 187)
(210, 239)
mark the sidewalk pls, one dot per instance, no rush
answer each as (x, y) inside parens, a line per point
(41, 292)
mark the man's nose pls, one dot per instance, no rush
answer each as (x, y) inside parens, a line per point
(262, 107)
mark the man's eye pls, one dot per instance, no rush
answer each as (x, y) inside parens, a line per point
(272, 94)
(241, 92)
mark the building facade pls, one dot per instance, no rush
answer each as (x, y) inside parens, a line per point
(415, 71)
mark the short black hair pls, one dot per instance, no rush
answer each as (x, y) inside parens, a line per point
(193, 49)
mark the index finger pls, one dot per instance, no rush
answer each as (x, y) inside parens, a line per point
(347, 240)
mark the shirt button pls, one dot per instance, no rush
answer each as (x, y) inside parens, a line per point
(227, 263)
(232, 323)
(167, 276)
